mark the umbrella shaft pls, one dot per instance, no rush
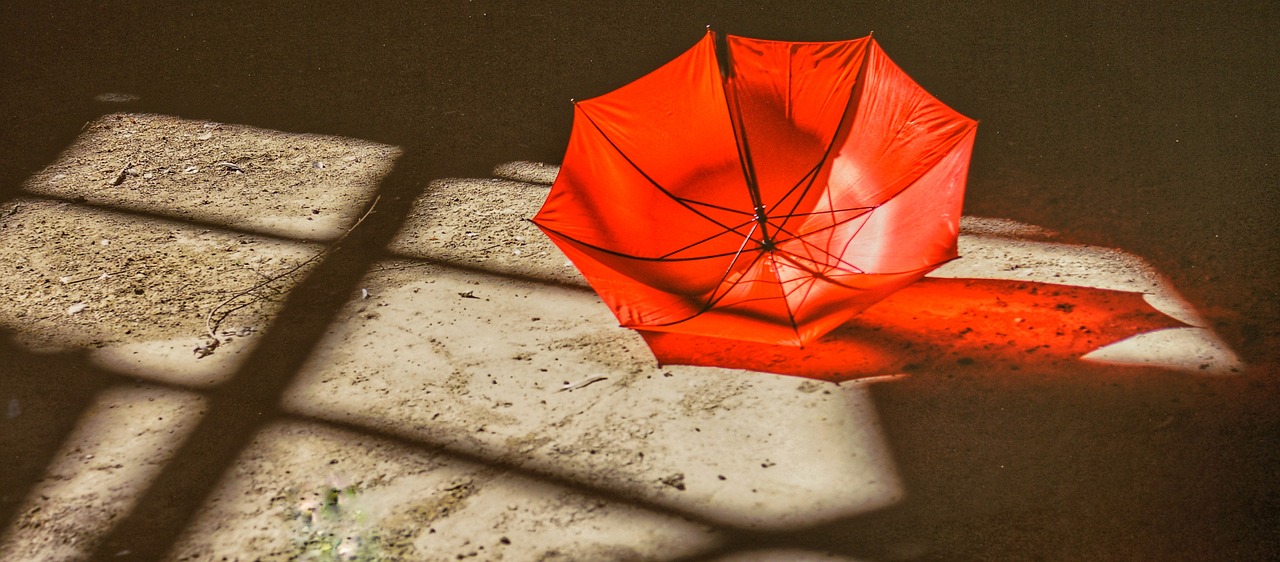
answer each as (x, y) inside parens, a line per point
(766, 241)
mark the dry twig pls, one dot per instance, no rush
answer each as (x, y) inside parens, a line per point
(211, 326)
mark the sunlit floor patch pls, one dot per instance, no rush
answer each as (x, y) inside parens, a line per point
(277, 183)
(482, 223)
(539, 173)
(1186, 349)
(140, 292)
(529, 371)
(177, 360)
(119, 445)
(307, 491)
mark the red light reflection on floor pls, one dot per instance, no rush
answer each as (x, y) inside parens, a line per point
(941, 323)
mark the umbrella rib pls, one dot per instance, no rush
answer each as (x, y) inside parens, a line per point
(709, 238)
(803, 238)
(840, 263)
(796, 259)
(719, 300)
(791, 316)
(711, 300)
(646, 176)
(827, 212)
(807, 180)
(715, 300)
(632, 256)
(855, 234)
(855, 93)
(739, 127)
(832, 277)
(796, 236)
(714, 206)
(806, 285)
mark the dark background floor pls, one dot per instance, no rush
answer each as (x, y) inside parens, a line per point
(1149, 129)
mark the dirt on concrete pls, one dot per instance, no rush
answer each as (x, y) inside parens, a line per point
(473, 399)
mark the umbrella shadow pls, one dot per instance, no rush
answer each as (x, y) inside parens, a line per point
(942, 324)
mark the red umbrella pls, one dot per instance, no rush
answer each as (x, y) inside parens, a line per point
(760, 190)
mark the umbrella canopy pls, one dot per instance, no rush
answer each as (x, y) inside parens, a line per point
(760, 190)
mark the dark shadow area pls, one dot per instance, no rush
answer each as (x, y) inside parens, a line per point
(43, 396)
(1147, 129)
(1114, 464)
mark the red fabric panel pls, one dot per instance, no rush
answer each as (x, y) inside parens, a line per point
(919, 226)
(898, 132)
(673, 125)
(633, 302)
(601, 198)
(791, 98)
